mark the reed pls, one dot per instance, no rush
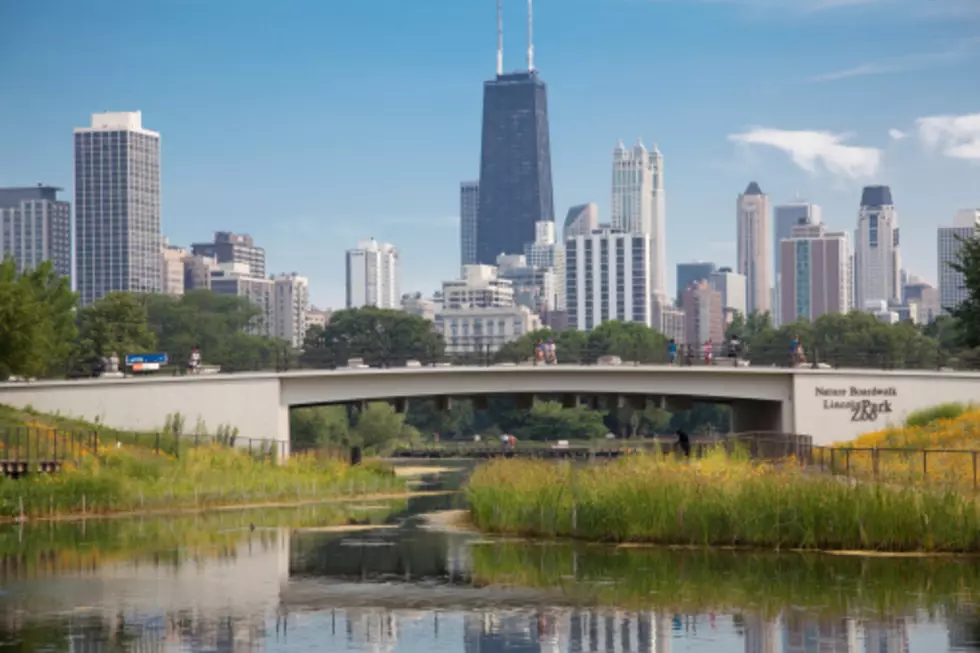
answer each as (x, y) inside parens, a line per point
(718, 501)
(130, 479)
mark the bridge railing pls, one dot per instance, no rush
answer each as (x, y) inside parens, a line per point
(922, 355)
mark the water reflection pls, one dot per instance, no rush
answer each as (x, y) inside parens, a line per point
(260, 581)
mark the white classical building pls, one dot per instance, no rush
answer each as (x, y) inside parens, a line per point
(966, 225)
(479, 312)
(373, 275)
(755, 248)
(877, 259)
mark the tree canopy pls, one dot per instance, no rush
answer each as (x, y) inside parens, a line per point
(381, 337)
(37, 328)
(967, 313)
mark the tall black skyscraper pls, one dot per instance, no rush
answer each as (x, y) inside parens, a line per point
(515, 162)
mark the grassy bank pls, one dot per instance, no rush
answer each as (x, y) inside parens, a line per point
(693, 581)
(718, 501)
(134, 479)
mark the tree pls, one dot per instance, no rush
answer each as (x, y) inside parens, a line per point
(552, 421)
(219, 325)
(570, 346)
(630, 341)
(319, 426)
(379, 427)
(381, 337)
(116, 323)
(37, 327)
(967, 313)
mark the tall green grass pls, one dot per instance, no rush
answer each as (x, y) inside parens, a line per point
(718, 501)
(702, 580)
(136, 480)
(932, 414)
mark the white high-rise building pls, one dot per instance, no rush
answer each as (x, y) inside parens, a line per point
(547, 252)
(755, 248)
(469, 206)
(966, 225)
(638, 204)
(292, 304)
(877, 261)
(372, 275)
(607, 277)
(236, 279)
(117, 206)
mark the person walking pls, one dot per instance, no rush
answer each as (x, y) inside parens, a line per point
(708, 350)
(194, 361)
(684, 442)
(671, 352)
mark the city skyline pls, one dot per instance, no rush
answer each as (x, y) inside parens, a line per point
(259, 171)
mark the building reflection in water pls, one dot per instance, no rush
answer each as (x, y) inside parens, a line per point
(561, 630)
(804, 633)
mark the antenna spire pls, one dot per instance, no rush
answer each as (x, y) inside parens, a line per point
(500, 38)
(530, 36)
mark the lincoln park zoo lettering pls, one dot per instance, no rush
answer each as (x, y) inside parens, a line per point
(865, 404)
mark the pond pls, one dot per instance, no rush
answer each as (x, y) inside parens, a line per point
(402, 576)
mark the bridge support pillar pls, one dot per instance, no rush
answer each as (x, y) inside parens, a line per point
(444, 403)
(526, 402)
(400, 405)
(757, 416)
(480, 402)
(570, 401)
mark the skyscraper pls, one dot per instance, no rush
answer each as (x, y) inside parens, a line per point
(638, 203)
(228, 247)
(704, 314)
(515, 161)
(117, 206)
(35, 226)
(372, 275)
(469, 209)
(755, 248)
(877, 262)
(815, 274)
(966, 225)
(786, 217)
(731, 285)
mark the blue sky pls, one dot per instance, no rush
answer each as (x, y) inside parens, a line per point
(312, 124)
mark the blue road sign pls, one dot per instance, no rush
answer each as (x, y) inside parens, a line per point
(143, 359)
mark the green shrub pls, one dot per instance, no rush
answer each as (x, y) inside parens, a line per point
(932, 414)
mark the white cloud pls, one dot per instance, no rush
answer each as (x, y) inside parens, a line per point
(958, 51)
(897, 134)
(808, 148)
(958, 137)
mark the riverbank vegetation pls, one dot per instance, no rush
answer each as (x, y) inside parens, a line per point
(131, 479)
(703, 580)
(718, 501)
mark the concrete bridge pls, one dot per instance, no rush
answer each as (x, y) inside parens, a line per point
(829, 405)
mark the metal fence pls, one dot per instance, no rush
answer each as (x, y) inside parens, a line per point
(44, 445)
